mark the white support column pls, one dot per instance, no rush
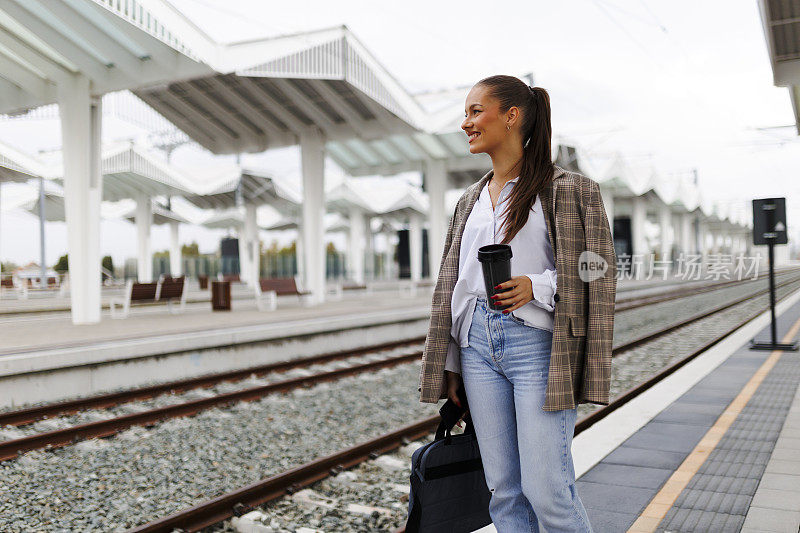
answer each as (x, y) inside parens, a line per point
(144, 220)
(608, 203)
(665, 240)
(687, 246)
(355, 249)
(81, 121)
(175, 259)
(312, 162)
(436, 183)
(702, 246)
(369, 249)
(42, 219)
(388, 261)
(415, 245)
(299, 250)
(251, 245)
(241, 240)
(639, 244)
(1, 232)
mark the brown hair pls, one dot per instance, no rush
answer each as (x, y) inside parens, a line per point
(537, 165)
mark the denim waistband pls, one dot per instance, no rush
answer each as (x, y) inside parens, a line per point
(484, 302)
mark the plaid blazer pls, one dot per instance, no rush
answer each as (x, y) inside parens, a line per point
(583, 322)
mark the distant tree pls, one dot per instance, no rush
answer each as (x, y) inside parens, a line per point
(8, 266)
(108, 264)
(62, 265)
(330, 248)
(190, 250)
(162, 253)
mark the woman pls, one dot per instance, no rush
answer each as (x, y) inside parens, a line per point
(526, 368)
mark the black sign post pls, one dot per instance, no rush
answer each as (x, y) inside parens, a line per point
(769, 227)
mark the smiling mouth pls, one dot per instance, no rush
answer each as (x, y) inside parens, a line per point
(473, 136)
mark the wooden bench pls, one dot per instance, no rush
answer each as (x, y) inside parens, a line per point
(268, 289)
(172, 291)
(166, 289)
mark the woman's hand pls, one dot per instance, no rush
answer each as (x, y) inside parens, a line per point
(453, 384)
(520, 293)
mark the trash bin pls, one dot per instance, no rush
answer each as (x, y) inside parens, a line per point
(221, 295)
(203, 280)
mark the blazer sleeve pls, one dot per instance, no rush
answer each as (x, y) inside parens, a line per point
(602, 296)
(544, 287)
(432, 341)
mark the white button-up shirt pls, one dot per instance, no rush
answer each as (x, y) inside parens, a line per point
(532, 256)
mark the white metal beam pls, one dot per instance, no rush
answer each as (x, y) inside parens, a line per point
(120, 57)
(274, 107)
(89, 66)
(178, 119)
(193, 115)
(49, 68)
(308, 106)
(248, 109)
(242, 127)
(25, 79)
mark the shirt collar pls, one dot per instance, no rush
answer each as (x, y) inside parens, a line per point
(537, 201)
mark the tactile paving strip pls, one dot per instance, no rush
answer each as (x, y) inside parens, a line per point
(719, 494)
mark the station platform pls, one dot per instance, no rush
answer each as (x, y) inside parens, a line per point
(44, 323)
(714, 447)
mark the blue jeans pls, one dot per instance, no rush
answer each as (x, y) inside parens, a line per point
(526, 452)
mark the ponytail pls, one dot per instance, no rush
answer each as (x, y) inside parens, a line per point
(537, 165)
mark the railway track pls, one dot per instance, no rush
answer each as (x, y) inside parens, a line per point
(11, 449)
(246, 499)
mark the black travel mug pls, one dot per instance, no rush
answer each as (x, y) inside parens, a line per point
(496, 262)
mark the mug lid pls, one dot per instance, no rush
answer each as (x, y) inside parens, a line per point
(494, 252)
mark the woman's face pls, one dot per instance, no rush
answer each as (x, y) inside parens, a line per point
(483, 123)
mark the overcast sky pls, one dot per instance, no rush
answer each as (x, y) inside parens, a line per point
(678, 84)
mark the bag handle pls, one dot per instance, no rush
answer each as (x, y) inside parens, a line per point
(451, 414)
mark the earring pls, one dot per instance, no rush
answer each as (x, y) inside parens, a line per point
(508, 127)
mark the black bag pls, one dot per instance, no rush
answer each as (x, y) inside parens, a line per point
(448, 487)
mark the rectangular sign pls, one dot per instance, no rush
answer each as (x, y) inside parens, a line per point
(769, 221)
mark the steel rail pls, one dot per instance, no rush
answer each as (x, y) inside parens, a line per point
(27, 416)
(105, 428)
(636, 302)
(243, 500)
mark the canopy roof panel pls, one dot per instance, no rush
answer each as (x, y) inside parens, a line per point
(161, 215)
(17, 166)
(116, 44)
(780, 20)
(254, 187)
(267, 93)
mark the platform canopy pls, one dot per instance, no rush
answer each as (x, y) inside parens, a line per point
(267, 93)
(241, 186)
(347, 196)
(130, 171)
(442, 142)
(117, 45)
(72, 52)
(781, 24)
(161, 215)
(18, 166)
